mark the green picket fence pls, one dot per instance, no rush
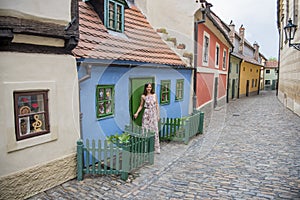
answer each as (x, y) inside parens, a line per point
(103, 158)
(181, 129)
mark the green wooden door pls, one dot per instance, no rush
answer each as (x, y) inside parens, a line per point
(137, 89)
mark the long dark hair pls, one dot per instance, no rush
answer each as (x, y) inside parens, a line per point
(145, 89)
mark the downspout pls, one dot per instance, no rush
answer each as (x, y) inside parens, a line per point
(278, 63)
(259, 81)
(228, 75)
(88, 69)
(196, 23)
(240, 68)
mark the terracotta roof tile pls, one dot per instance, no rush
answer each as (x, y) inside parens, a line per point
(139, 42)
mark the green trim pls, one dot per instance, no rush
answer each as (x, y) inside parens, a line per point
(165, 92)
(179, 89)
(104, 100)
(117, 19)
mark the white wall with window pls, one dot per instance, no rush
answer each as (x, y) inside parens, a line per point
(39, 111)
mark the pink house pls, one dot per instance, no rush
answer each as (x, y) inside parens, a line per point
(212, 60)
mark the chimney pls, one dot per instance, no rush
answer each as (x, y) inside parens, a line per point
(256, 51)
(231, 32)
(242, 41)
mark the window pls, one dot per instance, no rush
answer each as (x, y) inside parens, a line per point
(224, 60)
(165, 92)
(104, 100)
(31, 113)
(217, 55)
(253, 83)
(206, 49)
(179, 89)
(237, 68)
(114, 16)
(268, 71)
(267, 82)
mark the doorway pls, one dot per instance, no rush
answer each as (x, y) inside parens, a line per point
(216, 92)
(233, 89)
(136, 91)
(247, 87)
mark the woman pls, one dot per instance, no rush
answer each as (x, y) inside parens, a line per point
(151, 114)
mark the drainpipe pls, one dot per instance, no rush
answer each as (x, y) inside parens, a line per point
(203, 10)
(88, 69)
(278, 64)
(240, 68)
(228, 75)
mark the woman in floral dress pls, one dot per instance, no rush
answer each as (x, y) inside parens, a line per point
(151, 113)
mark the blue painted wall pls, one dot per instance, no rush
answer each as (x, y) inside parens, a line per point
(94, 128)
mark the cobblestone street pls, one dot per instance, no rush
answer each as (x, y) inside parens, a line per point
(250, 150)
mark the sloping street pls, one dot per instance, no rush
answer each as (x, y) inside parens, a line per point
(250, 150)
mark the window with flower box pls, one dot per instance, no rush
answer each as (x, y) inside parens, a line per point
(165, 92)
(104, 100)
(31, 113)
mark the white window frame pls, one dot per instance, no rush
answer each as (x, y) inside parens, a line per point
(217, 55)
(205, 62)
(224, 59)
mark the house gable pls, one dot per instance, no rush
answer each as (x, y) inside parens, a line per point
(138, 43)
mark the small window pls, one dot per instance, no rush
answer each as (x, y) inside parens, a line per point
(267, 71)
(104, 100)
(267, 82)
(206, 50)
(179, 89)
(165, 92)
(224, 59)
(217, 55)
(115, 16)
(31, 113)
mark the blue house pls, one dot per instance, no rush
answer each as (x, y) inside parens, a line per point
(118, 52)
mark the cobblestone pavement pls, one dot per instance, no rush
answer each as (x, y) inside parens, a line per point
(250, 150)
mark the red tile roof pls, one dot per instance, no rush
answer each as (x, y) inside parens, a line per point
(272, 64)
(138, 43)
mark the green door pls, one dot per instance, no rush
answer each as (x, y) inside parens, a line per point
(137, 89)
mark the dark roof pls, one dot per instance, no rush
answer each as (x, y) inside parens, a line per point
(246, 58)
(138, 43)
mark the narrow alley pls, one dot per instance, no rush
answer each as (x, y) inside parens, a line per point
(250, 150)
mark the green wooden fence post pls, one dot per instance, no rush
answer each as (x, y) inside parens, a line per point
(187, 131)
(125, 162)
(79, 160)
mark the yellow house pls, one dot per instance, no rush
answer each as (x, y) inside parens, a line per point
(249, 78)
(251, 62)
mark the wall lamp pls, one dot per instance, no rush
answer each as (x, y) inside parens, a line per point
(290, 30)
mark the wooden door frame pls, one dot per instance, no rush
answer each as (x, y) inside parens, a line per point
(131, 79)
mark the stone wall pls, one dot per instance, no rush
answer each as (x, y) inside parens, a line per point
(29, 182)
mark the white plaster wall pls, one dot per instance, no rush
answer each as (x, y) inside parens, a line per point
(58, 11)
(21, 71)
(174, 15)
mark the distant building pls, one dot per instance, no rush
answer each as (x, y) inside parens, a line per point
(270, 75)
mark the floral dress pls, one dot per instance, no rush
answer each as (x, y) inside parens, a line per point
(150, 118)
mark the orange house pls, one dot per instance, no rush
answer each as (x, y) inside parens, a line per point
(213, 50)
